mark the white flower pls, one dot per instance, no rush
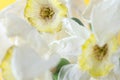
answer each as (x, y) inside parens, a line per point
(45, 16)
(19, 9)
(24, 63)
(100, 52)
(31, 57)
(29, 42)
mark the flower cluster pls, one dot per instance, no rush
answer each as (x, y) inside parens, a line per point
(60, 40)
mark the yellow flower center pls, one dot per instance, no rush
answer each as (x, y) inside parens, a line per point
(100, 52)
(47, 13)
(95, 59)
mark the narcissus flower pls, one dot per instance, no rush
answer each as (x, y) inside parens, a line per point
(24, 63)
(51, 27)
(100, 53)
(45, 15)
(30, 58)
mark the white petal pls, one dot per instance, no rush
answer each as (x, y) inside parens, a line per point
(110, 76)
(45, 76)
(106, 20)
(70, 46)
(15, 26)
(48, 37)
(4, 42)
(73, 28)
(27, 64)
(72, 72)
(74, 6)
(116, 61)
(88, 11)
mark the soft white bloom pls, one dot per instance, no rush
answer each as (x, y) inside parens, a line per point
(18, 9)
(31, 57)
(28, 65)
(99, 57)
(31, 54)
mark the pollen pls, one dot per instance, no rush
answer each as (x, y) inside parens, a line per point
(100, 52)
(46, 13)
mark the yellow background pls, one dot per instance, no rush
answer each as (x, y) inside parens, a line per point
(4, 3)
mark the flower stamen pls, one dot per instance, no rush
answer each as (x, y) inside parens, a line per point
(100, 52)
(46, 13)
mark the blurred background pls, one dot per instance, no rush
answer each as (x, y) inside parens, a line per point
(4, 3)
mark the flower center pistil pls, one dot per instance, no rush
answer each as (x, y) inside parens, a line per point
(47, 13)
(100, 52)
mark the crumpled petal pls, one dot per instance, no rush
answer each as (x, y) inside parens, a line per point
(73, 28)
(72, 72)
(70, 46)
(27, 64)
(106, 20)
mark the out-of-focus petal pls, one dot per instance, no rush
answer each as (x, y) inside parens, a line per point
(110, 76)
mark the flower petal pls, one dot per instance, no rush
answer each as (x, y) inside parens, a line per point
(45, 76)
(73, 28)
(52, 37)
(15, 26)
(5, 65)
(4, 42)
(72, 72)
(116, 60)
(88, 11)
(106, 20)
(27, 64)
(68, 46)
(110, 76)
